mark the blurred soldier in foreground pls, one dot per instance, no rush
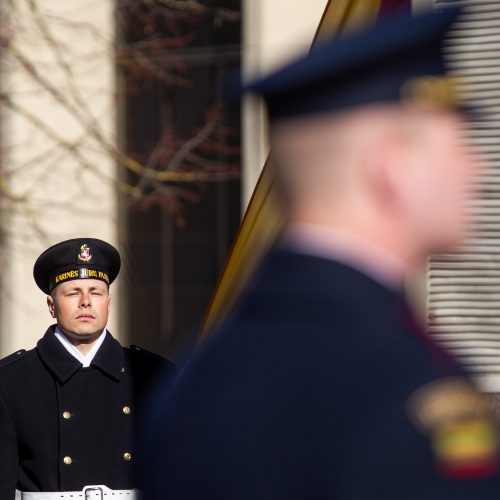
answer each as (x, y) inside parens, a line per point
(322, 385)
(68, 408)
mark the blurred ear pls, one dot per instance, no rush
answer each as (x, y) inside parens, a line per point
(384, 171)
(51, 305)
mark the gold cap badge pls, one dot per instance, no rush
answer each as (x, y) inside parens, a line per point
(84, 254)
(432, 92)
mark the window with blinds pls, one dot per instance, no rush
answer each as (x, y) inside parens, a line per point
(464, 286)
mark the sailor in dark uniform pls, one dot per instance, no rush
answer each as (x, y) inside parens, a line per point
(322, 384)
(69, 407)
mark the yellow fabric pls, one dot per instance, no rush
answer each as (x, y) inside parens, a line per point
(264, 216)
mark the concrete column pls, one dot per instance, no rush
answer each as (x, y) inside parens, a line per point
(274, 31)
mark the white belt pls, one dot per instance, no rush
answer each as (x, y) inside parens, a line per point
(98, 492)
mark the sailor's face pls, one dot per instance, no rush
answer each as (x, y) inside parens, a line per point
(81, 307)
(439, 180)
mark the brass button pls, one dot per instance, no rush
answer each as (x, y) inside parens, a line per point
(127, 456)
(68, 460)
(66, 415)
(126, 410)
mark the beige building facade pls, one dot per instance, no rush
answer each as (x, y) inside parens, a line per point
(58, 118)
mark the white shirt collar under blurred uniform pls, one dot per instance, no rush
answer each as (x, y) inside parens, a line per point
(347, 248)
(84, 359)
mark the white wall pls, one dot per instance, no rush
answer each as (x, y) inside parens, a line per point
(60, 196)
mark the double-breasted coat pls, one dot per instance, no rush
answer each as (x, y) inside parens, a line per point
(63, 426)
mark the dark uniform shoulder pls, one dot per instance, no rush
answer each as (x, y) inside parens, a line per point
(144, 357)
(135, 350)
(12, 358)
(147, 366)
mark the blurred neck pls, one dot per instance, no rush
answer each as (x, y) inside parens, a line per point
(369, 243)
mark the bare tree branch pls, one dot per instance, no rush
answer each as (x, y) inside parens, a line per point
(166, 173)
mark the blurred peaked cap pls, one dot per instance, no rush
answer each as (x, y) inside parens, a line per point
(78, 258)
(397, 60)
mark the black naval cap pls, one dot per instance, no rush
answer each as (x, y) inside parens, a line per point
(399, 59)
(78, 258)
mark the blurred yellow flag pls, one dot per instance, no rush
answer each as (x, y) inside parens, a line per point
(264, 216)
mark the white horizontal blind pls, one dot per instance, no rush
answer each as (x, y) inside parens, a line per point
(464, 286)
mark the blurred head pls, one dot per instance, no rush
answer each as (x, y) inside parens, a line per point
(437, 169)
(396, 174)
(81, 308)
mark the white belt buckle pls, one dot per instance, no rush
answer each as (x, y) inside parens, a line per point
(94, 492)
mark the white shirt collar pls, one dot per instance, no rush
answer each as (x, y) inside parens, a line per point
(84, 359)
(350, 249)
